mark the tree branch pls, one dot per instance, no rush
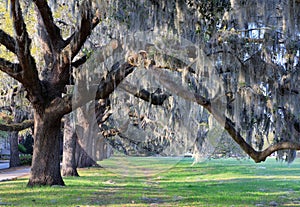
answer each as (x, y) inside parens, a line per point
(16, 126)
(80, 61)
(257, 156)
(101, 54)
(100, 91)
(8, 41)
(87, 24)
(30, 79)
(6, 108)
(155, 98)
(102, 110)
(12, 69)
(53, 31)
(229, 126)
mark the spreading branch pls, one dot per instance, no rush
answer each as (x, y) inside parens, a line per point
(229, 126)
(258, 156)
(155, 98)
(87, 24)
(100, 91)
(16, 126)
(30, 79)
(8, 41)
(53, 31)
(12, 69)
(101, 54)
(114, 78)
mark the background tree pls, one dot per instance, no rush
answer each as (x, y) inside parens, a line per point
(246, 65)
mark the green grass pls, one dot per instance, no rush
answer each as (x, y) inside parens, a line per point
(166, 182)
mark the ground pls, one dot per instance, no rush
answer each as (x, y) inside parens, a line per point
(167, 182)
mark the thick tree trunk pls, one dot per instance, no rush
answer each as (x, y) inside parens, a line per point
(14, 160)
(69, 148)
(45, 169)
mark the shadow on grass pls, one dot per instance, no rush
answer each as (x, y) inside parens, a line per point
(214, 183)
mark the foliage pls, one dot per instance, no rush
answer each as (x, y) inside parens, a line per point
(28, 143)
(227, 148)
(26, 159)
(224, 182)
(21, 148)
(2, 134)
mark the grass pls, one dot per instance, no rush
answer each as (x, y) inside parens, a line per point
(166, 182)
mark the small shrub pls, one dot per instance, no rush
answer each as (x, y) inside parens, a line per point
(28, 144)
(26, 159)
(22, 148)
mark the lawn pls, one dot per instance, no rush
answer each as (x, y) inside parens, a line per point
(166, 182)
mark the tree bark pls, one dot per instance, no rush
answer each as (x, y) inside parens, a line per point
(14, 160)
(69, 167)
(16, 126)
(90, 146)
(45, 169)
(82, 158)
(19, 116)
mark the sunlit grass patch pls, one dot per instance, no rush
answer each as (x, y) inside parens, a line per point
(224, 182)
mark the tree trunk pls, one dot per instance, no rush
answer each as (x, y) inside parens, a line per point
(45, 169)
(19, 116)
(90, 146)
(69, 148)
(82, 158)
(14, 160)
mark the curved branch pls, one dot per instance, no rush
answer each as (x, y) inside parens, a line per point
(229, 126)
(114, 78)
(276, 147)
(8, 41)
(258, 156)
(16, 126)
(101, 91)
(155, 98)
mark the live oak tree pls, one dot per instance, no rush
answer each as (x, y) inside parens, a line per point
(247, 65)
(45, 82)
(45, 85)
